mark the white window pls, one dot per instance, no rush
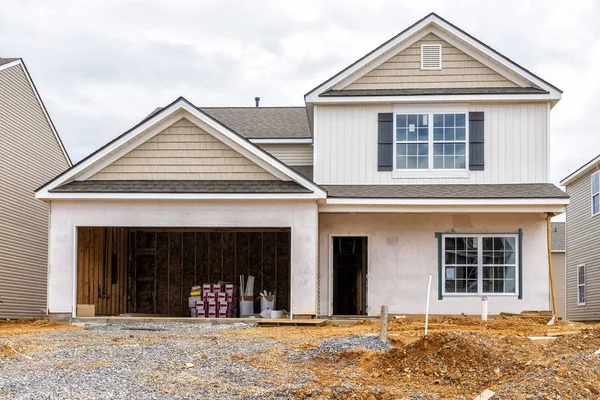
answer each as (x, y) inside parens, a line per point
(596, 193)
(480, 264)
(431, 141)
(431, 56)
(581, 285)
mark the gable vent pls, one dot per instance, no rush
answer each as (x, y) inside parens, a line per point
(431, 56)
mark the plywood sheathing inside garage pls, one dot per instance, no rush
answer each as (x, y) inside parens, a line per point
(155, 269)
(102, 269)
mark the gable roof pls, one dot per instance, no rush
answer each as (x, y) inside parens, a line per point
(11, 62)
(557, 236)
(158, 121)
(262, 122)
(448, 32)
(593, 164)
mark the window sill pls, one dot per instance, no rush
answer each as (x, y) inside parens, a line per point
(398, 174)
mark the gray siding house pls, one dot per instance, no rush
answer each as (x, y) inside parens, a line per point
(583, 243)
(30, 154)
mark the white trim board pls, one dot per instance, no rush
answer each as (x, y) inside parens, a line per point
(40, 102)
(180, 196)
(180, 108)
(446, 31)
(587, 167)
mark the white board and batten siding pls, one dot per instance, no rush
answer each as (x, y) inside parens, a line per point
(516, 145)
(183, 151)
(30, 155)
(294, 154)
(582, 247)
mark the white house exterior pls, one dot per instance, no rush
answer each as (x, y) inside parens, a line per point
(428, 156)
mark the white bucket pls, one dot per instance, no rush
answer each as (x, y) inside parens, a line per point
(276, 314)
(246, 307)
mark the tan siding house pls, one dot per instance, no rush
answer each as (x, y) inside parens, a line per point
(30, 154)
(425, 159)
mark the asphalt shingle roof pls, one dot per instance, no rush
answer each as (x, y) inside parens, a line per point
(431, 92)
(557, 236)
(462, 191)
(169, 186)
(7, 60)
(264, 122)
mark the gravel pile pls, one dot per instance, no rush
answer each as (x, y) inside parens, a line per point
(134, 361)
(347, 343)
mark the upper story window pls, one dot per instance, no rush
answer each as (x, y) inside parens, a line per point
(431, 141)
(596, 193)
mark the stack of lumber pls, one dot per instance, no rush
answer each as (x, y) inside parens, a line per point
(530, 314)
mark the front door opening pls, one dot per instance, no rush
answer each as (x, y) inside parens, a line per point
(349, 275)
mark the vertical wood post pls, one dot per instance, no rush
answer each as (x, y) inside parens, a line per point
(383, 324)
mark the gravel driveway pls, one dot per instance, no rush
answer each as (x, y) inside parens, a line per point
(138, 361)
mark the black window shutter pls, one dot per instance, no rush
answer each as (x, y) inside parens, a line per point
(385, 142)
(476, 141)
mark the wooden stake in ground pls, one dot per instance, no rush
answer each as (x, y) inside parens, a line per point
(384, 324)
(548, 229)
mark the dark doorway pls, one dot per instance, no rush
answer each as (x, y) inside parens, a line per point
(349, 275)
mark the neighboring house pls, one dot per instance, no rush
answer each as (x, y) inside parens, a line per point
(428, 156)
(557, 240)
(583, 246)
(30, 154)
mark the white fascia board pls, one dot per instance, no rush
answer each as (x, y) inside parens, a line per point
(314, 94)
(448, 202)
(176, 196)
(542, 97)
(158, 123)
(441, 25)
(387, 209)
(282, 141)
(590, 166)
(40, 103)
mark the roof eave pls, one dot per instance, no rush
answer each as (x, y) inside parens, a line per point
(586, 168)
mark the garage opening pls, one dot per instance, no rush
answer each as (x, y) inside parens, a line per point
(151, 271)
(349, 275)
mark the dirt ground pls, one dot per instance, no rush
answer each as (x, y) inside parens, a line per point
(461, 357)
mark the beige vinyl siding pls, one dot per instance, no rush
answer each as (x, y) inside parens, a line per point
(516, 145)
(183, 151)
(29, 156)
(403, 71)
(294, 154)
(558, 270)
(583, 247)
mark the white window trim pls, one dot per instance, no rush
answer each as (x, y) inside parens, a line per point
(479, 265)
(423, 67)
(430, 172)
(594, 194)
(581, 286)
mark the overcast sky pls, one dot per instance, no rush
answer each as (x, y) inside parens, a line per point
(102, 66)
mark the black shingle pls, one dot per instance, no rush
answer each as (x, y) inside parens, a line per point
(170, 186)
(461, 191)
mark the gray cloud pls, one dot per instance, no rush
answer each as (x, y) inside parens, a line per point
(102, 66)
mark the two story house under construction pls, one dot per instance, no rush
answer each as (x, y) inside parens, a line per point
(427, 156)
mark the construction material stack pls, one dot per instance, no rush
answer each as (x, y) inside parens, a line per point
(218, 301)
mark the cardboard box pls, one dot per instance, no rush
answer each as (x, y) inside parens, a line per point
(194, 300)
(267, 302)
(86, 310)
(211, 297)
(246, 306)
(217, 288)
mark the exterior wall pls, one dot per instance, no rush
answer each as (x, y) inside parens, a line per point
(558, 270)
(291, 154)
(516, 145)
(583, 247)
(403, 71)
(29, 156)
(403, 252)
(300, 216)
(183, 152)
